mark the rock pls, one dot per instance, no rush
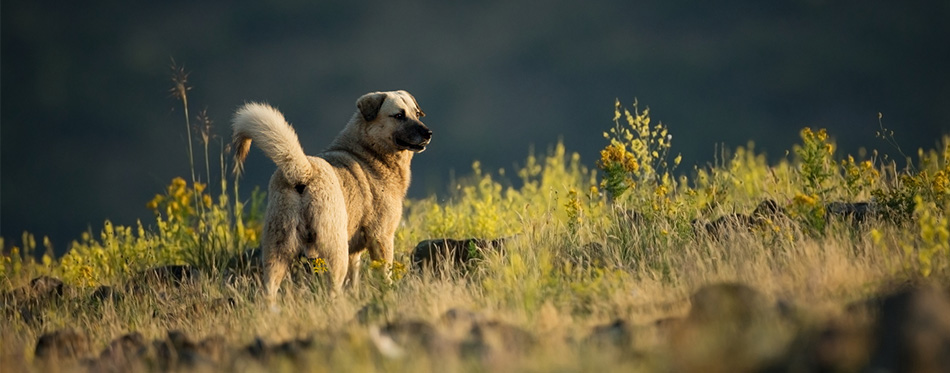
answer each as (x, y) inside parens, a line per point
(856, 212)
(291, 349)
(214, 348)
(62, 345)
(729, 223)
(730, 302)
(370, 313)
(199, 309)
(245, 264)
(210, 307)
(903, 330)
(458, 322)
(913, 331)
(495, 340)
(106, 294)
(459, 333)
(123, 354)
(40, 290)
(442, 253)
(617, 334)
(29, 314)
(764, 211)
(399, 337)
(480, 335)
(174, 351)
(730, 328)
(177, 350)
(768, 208)
(170, 276)
(257, 349)
(841, 345)
(632, 218)
(46, 287)
(591, 255)
(28, 302)
(664, 328)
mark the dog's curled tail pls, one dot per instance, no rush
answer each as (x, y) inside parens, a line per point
(267, 126)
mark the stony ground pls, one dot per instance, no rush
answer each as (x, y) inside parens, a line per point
(721, 327)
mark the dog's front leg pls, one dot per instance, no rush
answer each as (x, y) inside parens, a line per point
(382, 249)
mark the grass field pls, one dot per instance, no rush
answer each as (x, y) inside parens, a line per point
(620, 264)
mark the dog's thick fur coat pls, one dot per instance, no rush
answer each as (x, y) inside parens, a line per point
(345, 200)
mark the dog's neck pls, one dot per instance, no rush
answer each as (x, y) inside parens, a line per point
(386, 164)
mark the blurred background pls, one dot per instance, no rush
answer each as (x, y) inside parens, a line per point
(89, 130)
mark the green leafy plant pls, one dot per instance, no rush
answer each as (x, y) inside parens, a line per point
(636, 156)
(581, 247)
(931, 246)
(192, 226)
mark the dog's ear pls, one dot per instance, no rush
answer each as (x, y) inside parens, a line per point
(369, 105)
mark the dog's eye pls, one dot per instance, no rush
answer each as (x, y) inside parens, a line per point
(400, 115)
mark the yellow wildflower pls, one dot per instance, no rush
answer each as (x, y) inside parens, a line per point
(153, 204)
(805, 199)
(320, 266)
(941, 182)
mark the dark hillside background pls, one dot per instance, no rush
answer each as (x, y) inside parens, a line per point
(88, 130)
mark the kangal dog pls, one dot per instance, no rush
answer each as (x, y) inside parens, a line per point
(343, 201)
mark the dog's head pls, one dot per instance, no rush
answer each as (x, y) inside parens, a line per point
(392, 119)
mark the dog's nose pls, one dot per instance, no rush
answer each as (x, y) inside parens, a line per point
(427, 134)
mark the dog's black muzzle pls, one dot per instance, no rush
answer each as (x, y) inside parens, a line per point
(414, 136)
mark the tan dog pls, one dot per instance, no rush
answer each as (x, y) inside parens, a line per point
(346, 200)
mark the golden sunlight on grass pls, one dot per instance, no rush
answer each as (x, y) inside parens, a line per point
(739, 266)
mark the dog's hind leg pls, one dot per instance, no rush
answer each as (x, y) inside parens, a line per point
(275, 268)
(280, 243)
(353, 274)
(276, 262)
(325, 218)
(331, 246)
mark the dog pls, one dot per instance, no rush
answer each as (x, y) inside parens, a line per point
(342, 202)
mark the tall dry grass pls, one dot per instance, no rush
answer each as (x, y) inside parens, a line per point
(583, 249)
